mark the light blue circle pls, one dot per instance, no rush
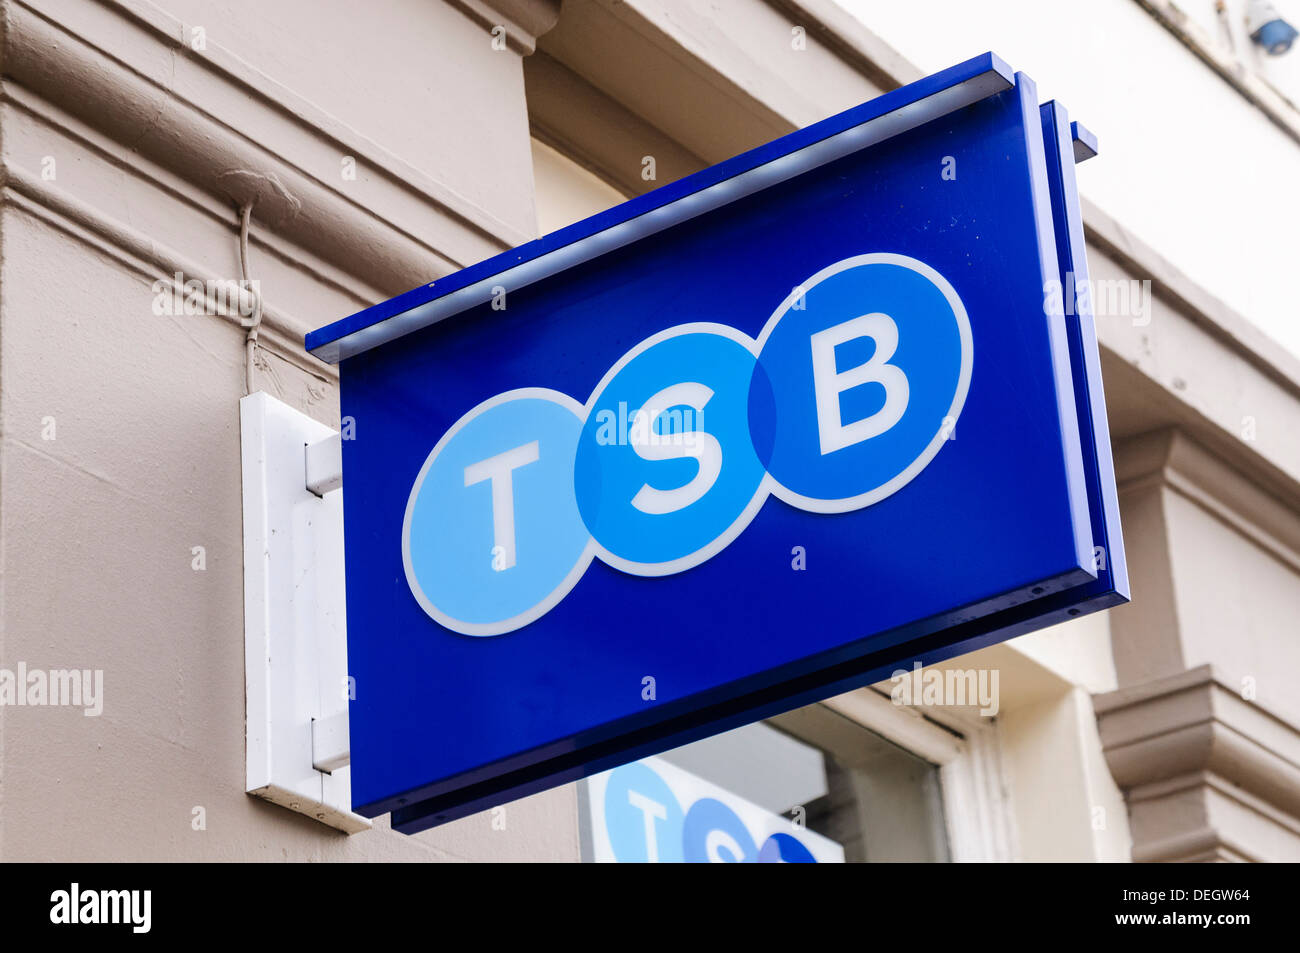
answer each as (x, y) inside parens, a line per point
(933, 354)
(639, 804)
(709, 815)
(611, 470)
(456, 561)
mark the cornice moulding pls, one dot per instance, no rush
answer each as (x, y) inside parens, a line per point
(280, 332)
(1193, 722)
(126, 70)
(1170, 458)
(523, 20)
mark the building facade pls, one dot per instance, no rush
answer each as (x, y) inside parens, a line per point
(359, 151)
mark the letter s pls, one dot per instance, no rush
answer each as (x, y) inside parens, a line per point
(704, 447)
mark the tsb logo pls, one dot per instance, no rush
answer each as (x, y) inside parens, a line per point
(849, 392)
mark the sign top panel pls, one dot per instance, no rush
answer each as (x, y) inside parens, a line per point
(879, 119)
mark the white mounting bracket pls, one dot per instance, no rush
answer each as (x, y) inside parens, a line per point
(295, 629)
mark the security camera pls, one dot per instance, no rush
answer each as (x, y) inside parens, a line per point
(1267, 28)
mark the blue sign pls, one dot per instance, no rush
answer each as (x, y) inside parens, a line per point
(753, 439)
(651, 811)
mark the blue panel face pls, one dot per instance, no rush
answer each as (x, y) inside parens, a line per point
(707, 474)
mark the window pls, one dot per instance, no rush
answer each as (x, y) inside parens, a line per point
(877, 800)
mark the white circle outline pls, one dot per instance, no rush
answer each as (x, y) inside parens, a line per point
(862, 500)
(557, 594)
(727, 536)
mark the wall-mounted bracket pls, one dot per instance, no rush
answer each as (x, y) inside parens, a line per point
(295, 633)
(324, 463)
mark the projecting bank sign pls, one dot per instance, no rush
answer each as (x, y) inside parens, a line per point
(757, 437)
(654, 812)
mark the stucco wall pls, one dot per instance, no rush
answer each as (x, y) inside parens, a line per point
(384, 154)
(120, 448)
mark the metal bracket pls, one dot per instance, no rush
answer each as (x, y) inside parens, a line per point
(324, 462)
(329, 743)
(295, 631)
(1085, 143)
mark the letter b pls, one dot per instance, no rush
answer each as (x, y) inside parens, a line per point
(829, 384)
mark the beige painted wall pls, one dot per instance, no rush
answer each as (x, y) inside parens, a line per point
(126, 153)
(120, 431)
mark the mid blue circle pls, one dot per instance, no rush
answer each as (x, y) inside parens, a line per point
(639, 806)
(849, 312)
(712, 833)
(513, 450)
(784, 849)
(613, 471)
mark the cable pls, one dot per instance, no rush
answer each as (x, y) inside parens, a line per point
(250, 342)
